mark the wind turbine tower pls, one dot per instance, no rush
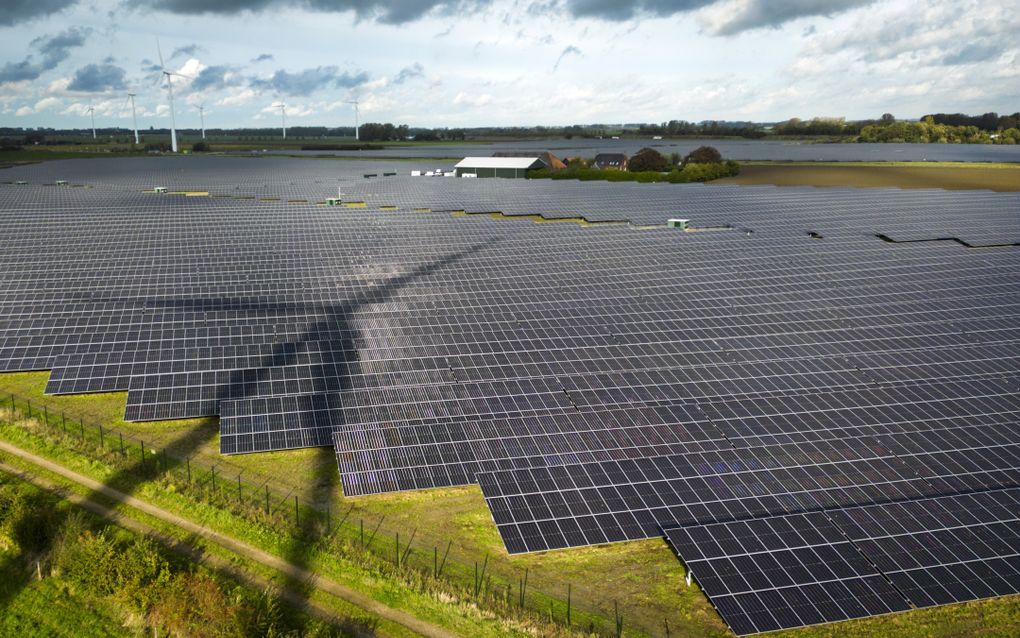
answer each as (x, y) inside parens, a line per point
(283, 117)
(134, 118)
(170, 97)
(201, 114)
(92, 114)
(357, 135)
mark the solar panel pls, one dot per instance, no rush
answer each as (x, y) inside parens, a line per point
(779, 572)
(783, 572)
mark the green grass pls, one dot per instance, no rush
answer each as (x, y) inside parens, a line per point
(50, 608)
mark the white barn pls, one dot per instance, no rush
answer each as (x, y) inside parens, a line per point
(498, 166)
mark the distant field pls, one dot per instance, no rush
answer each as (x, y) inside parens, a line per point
(950, 176)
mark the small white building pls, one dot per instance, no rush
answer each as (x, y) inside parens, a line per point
(498, 166)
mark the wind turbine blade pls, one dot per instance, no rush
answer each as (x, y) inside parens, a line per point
(160, 51)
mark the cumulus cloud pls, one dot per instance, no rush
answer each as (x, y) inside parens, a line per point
(309, 81)
(214, 78)
(95, 78)
(55, 49)
(466, 99)
(18, 71)
(52, 50)
(737, 16)
(570, 50)
(616, 10)
(239, 98)
(384, 11)
(973, 53)
(416, 70)
(18, 11)
(187, 51)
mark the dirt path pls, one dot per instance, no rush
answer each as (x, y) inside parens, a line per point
(239, 547)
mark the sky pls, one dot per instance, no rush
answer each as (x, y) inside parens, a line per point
(453, 63)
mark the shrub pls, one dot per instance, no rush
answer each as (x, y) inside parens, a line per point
(689, 173)
(89, 562)
(200, 147)
(648, 160)
(142, 574)
(703, 155)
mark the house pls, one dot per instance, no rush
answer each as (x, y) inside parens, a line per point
(551, 161)
(498, 166)
(610, 161)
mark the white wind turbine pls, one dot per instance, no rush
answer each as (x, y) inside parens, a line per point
(170, 96)
(92, 114)
(201, 114)
(134, 118)
(357, 136)
(283, 117)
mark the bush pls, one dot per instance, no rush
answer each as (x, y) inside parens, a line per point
(703, 155)
(689, 173)
(648, 160)
(200, 147)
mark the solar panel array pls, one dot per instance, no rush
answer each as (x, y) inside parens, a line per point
(800, 352)
(777, 572)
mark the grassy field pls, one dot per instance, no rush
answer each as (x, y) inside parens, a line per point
(947, 175)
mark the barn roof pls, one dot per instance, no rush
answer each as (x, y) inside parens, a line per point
(500, 162)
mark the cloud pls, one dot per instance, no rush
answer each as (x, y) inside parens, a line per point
(214, 78)
(41, 105)
(56, 49)
(148, 66)
(464, 99)
(570, 50)
(45, 103)
(263, 57)
(18, 71)
(53, 50)
(737, 16)
(237, 99)
(972, 53)
(95, 78)
(416, 70)
(618, 11)
(18, 11)
(384, 11)
(310, 80)
(188, 51)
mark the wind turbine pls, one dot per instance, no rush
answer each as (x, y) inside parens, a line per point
(134, 118)
(201, 114)
(170, 96)
(92, 114)
(283, 117)
(356, 133)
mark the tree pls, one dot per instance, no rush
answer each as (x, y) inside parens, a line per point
(703, 155)
(888, 118)
(648, 159)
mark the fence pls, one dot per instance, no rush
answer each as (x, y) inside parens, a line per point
(500, 588)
